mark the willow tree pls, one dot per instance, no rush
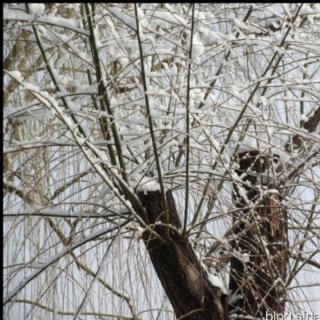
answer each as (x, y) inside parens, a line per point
(160, 160)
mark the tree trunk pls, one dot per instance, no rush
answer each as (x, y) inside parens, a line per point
(260, 243)
(182, 276)
(259, 260)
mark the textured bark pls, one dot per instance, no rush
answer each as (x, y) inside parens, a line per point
(310, 125)
(182, 276)
(257, 282)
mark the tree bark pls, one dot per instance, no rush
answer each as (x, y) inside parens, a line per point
(181, 274)
(259, 262)
(260, 242)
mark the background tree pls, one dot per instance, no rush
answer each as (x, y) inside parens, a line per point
(161, 160)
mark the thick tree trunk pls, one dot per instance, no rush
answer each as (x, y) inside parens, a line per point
(260, 257)
(259, 250)
(184, 279)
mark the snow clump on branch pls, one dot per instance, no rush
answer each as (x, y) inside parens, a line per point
(37, 8)
(148, 184)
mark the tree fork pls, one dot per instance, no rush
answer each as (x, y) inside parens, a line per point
(181, 274)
